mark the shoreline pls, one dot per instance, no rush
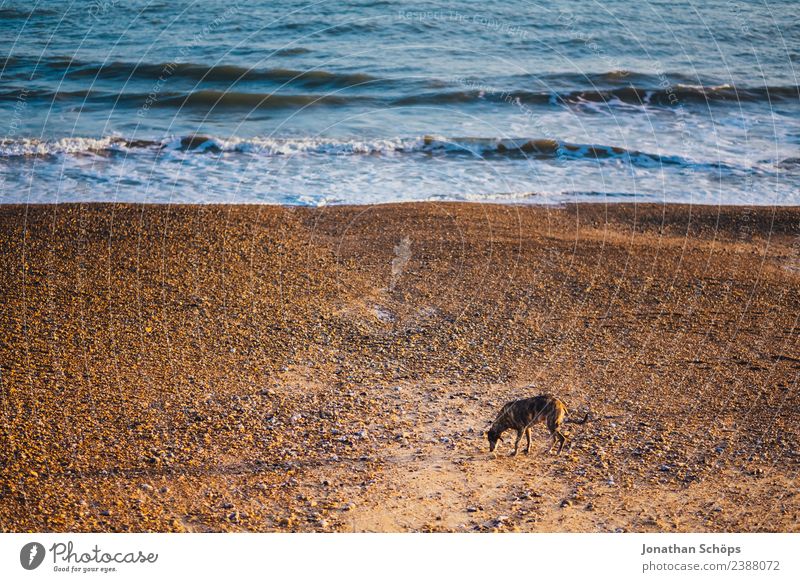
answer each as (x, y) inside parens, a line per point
(258, 367)
(682, 205)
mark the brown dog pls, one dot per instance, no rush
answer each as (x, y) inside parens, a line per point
(522, 414)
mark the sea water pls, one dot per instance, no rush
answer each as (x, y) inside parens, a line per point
(364, 101)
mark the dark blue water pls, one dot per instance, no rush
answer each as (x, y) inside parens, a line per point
(364, 101)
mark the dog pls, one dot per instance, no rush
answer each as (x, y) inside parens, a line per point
(522, 414)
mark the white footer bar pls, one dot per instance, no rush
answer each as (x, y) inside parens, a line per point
(389, 557)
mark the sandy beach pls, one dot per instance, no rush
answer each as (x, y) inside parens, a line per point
(268, 368)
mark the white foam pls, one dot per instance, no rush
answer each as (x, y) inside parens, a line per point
(263, 146)
(70, 145)
(273, 146)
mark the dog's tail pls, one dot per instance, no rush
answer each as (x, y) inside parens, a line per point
(584, 420)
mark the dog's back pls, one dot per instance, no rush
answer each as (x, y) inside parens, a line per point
(522, 413)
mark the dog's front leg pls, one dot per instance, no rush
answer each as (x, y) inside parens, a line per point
(528, 436)
(516, 442)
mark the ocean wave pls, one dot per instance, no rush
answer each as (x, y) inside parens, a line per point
(292, 51)
(238, 99)
(630, 95)
(609, 88)
(789, 163)
(207, 98)
(66, 67)
(69, 67)
(429, 145)
(228, 99)
(25, 14)
(218, 72)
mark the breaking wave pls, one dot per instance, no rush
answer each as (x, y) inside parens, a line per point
(431, 145)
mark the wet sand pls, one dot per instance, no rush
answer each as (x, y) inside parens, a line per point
(258, 368)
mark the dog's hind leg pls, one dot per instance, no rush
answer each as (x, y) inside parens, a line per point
(552, 442)
(516, 442)
(561, 438)
(555, 433)
(528, 436)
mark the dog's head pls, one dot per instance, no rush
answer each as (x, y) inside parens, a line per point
(493, 437)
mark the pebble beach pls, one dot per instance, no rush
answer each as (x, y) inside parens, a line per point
(275, 368)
